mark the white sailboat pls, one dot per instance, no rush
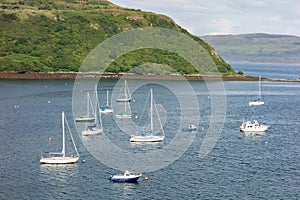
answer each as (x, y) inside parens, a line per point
(87, 117)
(147, 136)
(126, 114)
(92, 129)
(106, 109)
(258, 101)
(60, 157)
(126, 97)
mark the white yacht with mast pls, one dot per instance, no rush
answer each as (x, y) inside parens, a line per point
(92, 129)
(258, 101)
(106, 109)
(148, 136)
(61, 157)
(86, 117)
(127, 96)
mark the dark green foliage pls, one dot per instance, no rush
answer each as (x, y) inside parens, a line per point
(8, 17)
(145, 56)
(240, 73)
(57, 36)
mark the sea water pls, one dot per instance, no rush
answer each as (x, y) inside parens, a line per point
(239, 166)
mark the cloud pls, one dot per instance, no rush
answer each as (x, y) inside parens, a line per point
(248, 4)
(227, 16)
(222, 26)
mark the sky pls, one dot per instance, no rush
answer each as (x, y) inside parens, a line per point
(214, 17)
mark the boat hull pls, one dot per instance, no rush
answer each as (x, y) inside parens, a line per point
(123, 100)
(147, 138)
(84, 119)
(92, 132)
(189, 129)
(106, 111)
(59, 160)
(125, 116)
(124, 179)
(256, 103)
(260, 129)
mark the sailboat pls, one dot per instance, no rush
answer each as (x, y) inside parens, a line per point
(92, 129)
(126, 97)
(87, 117)
(258, 101)
(60, 157)
(106, 109)
(126, 114)
(147, 136)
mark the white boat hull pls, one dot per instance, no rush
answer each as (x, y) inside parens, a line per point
(256, 103)
(106, 111)
(258, 129)
(84, 119)
(124, 100)
(148, 138)
(59, 160)
(95, 131)
(125, 116)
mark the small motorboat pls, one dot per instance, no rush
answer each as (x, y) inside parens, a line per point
(249, 126)
(191, 127)
(126, 177)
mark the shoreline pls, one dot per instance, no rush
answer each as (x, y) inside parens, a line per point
(73, 75)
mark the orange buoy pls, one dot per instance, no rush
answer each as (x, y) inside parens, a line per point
(146, 178)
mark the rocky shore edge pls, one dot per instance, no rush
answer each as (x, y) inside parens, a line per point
(73, 75)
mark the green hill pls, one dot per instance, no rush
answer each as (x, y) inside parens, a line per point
(257, 47)
(51, 36)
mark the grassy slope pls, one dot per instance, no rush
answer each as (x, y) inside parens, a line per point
(57, 35)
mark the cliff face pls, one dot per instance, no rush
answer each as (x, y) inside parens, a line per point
(41, 36)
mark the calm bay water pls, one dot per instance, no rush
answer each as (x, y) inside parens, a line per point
(272, 70)
(238, 167)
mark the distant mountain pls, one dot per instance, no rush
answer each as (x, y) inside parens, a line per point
(257, 47)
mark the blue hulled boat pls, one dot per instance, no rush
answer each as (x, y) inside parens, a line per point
(191, 127)
(126, 177)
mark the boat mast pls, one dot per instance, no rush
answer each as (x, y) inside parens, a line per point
(259, 88)
(107, 98)
(151, 110)
(96, 99)
(63, 130)
(125, 90)
(97, 107)
(72, 139)
(125, 106)
(88, 104)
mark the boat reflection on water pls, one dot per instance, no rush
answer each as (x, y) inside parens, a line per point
(58, 170)
(254, 133)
